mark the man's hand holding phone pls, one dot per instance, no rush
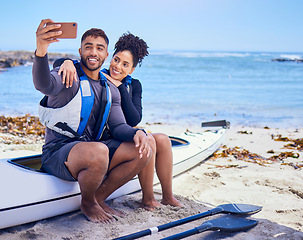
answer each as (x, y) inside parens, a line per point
(46, 35)
(49, 32)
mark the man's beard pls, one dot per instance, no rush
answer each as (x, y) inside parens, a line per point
(84, 62)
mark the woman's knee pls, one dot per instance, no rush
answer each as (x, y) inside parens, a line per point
(162, 140)
(152, 142)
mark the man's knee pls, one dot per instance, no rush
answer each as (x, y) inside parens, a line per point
(98, 153)
(88, 156)
(92, 154)
(99, 148)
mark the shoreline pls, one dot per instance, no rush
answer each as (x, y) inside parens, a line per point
(226, 177)
(10, 59)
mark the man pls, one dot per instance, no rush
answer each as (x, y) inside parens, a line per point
(100, 167)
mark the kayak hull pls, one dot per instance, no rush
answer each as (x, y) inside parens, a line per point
(29, 195)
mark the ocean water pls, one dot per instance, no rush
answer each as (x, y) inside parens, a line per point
(186, 88)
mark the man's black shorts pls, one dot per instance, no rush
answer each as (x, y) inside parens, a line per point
(55, 155)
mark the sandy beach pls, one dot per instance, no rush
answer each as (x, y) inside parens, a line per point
(252, 167)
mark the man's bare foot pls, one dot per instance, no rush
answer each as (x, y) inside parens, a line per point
(150, 205)
(94, 212)
(110, 210)
(172, 201)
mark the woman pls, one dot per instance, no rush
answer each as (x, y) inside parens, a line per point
(129, 51)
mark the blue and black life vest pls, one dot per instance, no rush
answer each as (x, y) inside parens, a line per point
(71, 119)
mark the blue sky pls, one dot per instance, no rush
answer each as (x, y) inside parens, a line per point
(173, 25)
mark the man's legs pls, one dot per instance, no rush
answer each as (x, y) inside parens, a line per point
(125, 164)
(88, 163)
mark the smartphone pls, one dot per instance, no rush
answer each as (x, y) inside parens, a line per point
(69, 29)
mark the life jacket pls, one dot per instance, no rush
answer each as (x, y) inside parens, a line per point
(127, 81)
(71, 119)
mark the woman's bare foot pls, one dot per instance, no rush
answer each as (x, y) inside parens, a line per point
(150, 205)
(172, 201)
(94, 212)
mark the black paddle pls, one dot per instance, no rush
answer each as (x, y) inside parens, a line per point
(229, 224)
(225, 208)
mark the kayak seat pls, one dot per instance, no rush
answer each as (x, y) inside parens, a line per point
(32, 163)
(176, 142)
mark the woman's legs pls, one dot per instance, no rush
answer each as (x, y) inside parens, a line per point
(164, 168)
(162, 160)
(146, 178)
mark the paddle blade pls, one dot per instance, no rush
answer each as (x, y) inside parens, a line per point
(240, 208)
(229, 224)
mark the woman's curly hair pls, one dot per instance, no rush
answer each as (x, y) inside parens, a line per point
(134, 44)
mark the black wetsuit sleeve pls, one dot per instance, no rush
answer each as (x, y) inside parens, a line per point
(117, 124)
(132, 107)
(59, 62)
(45, 82)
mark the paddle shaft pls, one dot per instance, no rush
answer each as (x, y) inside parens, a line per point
(160, 228)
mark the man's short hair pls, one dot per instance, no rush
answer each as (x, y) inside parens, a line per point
(95, 32)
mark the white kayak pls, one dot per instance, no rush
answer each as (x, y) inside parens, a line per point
(28, 194)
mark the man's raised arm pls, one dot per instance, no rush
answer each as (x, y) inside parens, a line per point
(43, 80)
